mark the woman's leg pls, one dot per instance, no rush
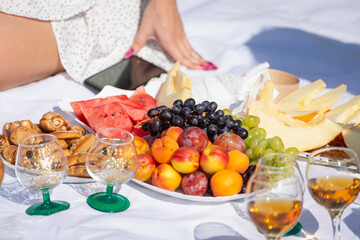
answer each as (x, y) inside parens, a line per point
(28, 51)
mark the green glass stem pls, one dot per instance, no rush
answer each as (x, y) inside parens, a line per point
(47, 207)
(108, 201)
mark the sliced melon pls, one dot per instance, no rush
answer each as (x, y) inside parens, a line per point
(345, 111)
(176, 86)
(352, 138)
(300, 97)
(306, 137)
(267, 100)
(353, 120)
(324, 102)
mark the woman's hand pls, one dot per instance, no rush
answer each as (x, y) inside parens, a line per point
(162, 22)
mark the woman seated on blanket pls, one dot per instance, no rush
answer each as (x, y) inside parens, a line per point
(88, 38)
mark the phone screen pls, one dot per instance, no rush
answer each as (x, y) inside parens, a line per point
(127, 74)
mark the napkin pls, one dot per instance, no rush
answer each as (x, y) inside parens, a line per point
(227, 90)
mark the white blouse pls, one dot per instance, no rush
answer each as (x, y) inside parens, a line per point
(91, 35)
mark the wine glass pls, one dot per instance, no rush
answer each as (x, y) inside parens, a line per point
(42, 165)
(274, 202)
(282, 162)
(333, 182)
(111, 160)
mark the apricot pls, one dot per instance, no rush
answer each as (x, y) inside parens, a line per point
(226, 182)
(163, 148)
(238, 161)
(175, 133)
(141, 145)
(166, 177)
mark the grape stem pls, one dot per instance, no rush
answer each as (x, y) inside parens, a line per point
(139, 124)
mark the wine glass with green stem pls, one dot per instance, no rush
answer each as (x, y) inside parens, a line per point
(274, 202)
(41, 165)
(332, 175)
(112, 161)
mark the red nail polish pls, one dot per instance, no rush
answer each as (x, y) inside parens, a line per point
(129, 53)
(205, 67)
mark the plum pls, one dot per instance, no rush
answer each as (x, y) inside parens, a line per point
(195, 183)
(194, 137)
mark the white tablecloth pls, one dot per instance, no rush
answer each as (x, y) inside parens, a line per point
(311, 39)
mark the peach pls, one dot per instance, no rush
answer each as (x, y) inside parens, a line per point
(195, 183)
(226, 182)
(185, 160)
(166, 177)
(174, 133)
(238, 161)
(194, 137)
(146, 167)
(141, 145)
(214, 158)
(163, 148)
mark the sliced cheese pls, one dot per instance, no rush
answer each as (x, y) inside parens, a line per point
(300, 97)
(345, 111)
(176, 86)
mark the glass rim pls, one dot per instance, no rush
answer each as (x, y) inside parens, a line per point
(276, 154)
(276, 173)
(353, 155)
(102, 139)
(51, 136)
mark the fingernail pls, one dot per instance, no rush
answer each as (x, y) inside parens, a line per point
(205, 67)
(129, 53)
(213, 66)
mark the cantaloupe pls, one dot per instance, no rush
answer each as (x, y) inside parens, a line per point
(300, 97)
(293, 132)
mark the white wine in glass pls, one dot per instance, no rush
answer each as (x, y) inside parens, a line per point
(274, 202)
(332, 179)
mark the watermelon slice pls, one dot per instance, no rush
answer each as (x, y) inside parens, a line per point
(145, 100)
(115, 111)
(111, 115)
(76, 105)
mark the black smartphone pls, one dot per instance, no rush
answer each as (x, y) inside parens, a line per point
(127, 74)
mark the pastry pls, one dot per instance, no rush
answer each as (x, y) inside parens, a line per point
(77, 159)
(51, 122)
(83, 144)
(19, 133)
(78, 171)
(65, 135)
(10, 153)
(4, 142)
(63, 144)
(1, 171)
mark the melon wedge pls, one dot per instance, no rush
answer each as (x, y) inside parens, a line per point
(351, 138)
(306, 137)
(353, 120)
(267, 100)
(300, 97)
(325, 102)
(176, 86)
(344, 112)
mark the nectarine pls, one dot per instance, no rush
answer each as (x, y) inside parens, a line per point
(146, 167)
(214, 158)
(166, 177)
(185, 159)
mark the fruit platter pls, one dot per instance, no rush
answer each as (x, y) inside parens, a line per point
(197, 149)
